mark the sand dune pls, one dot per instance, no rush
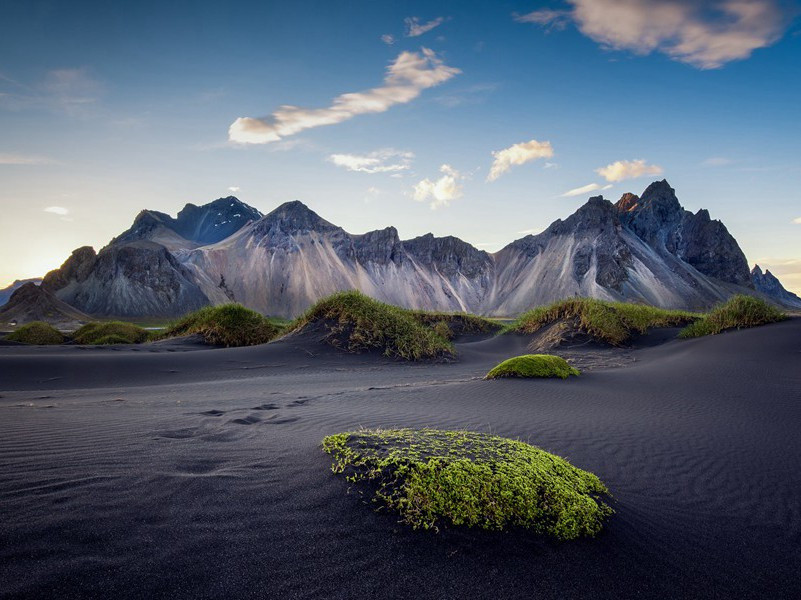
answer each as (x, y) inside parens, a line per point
(172, 471)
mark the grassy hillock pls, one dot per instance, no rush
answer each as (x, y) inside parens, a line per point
(110, 332)
(533, 365)
(451, 324)
(739, 312)
(433, 478)
(37, 333)
(611, 322)
(225, 325)
(357, 323)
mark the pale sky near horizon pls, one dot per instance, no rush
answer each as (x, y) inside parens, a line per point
(483, 120)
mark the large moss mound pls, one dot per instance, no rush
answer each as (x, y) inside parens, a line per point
(434, 478)
(533, 365)
(357, 323)
(613, 323)
(226, 325)
(37, 333)
(110, 332)
(739, 312)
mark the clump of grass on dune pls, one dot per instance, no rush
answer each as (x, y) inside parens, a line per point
(433, 477)
(37, 333)
(225, 325)
(611, 322)
(357, 323)
(739, 312)
(533, 365)
(449, 325)
(110, 332)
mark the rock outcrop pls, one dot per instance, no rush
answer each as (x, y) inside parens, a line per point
(770, 286)
(31, 302)
(5, 293)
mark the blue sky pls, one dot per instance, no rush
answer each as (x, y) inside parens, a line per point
(471, 119)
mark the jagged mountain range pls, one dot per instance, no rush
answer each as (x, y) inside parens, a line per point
(643, 248)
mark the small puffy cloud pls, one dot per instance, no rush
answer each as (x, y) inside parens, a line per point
(797, 220)
(550, 19)
(585, 189)
(440, 192)
(518, 154)
(233, 189)
(414, 28)
(628, 169)
(408, 75)
(57, 210)
(388, 39)
(380, 161)
(716, 161)
(706, 35)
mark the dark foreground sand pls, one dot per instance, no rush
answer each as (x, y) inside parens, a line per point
(180, 473)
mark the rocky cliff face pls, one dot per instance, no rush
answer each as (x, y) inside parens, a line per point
(31, 302)
(770, 286)
(658, 219)
(126, 279)
(643, 248)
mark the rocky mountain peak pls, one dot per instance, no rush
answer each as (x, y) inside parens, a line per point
(293, 217)
(627, 202)
(768, 284)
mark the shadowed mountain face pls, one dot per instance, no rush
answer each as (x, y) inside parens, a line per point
(643, 248)
(31, 302)
(768, 284)
(5, 293)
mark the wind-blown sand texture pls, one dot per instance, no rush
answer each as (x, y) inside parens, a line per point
(177, 472)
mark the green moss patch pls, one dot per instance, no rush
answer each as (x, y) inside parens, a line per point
(226, 325)
(433, 478)
(739, 312)
(449, 325)
(614, 323)
(110, 332)
(357, 323)
(37, 333)
(533, 365)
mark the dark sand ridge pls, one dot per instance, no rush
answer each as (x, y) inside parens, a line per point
(199, 474)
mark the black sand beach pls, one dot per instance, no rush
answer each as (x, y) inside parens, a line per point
(168, 471)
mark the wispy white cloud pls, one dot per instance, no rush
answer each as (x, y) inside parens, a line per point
(585, 189)
(386, 160)
(716, 161)
(529, 231)
(440, 192)
(57, 210)
(474, 94)
(72, 91)
(414, 28)
(388, 39)
(406, 78)
(24, 159)
(706, 35)
(518, 154)
(797, 220)
(548, 18)
(233, 189)
(628, 169)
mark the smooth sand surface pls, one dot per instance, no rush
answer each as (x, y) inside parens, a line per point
(177, 472)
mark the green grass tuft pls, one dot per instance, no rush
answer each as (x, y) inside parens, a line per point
(739, 312)
(448, 325)
(433, 477)
(533, 365)
(612, 322)
(226, 325)
(37, 333)
(103, 332)
(357, 323)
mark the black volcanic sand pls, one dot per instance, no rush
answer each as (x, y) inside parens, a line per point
(162, 473)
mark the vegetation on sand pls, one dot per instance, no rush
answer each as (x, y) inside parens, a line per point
(357, 323)
(37, 332)
(533, 365)
(110, 332)
(738, 312)
(433, 477)
(225, 325)
(611, 322)
(451, 324)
